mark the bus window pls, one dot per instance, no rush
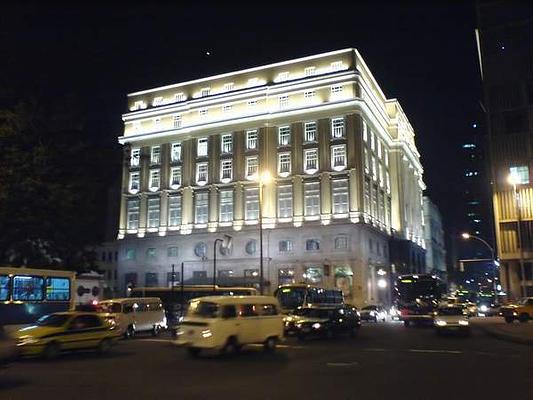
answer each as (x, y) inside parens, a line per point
(4, 287)
(58, 289)
(28, 288)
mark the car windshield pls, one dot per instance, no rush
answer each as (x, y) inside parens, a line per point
(373, 308)
(450, 311)
(313, 313)
(53, 320)
(202, 309)
(110, 307)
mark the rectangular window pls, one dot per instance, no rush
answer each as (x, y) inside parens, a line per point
(380, 150)
(339, 191)
(387, 181)
(341, 242)
(367, 195)
(155, 155)
(286, 276)
(283, 101)
(154, 180)
(365, 131)
(173, 278)
(311, 160)
(57, 289)
(4, 287)
(309, 95)
(205, 92)
(201, 207)
(201, 149)
(135, 157)
(312, 198)
(336, 66)
(226, 170)
(310, 71)
(338, 157)
(381, 178)
(172, 251)
(521, 173)
(312, 245)
(28, 288)
(227, 108)
(179, 97)
(285, 201)
(134, 182)
(336, 89)
(226, 205)
(131, 254)
(201, 173)
(251, 202)
(337, 127)
(284, 164)
(366, 160)
(252, 166)
(227, 143)
(252, 82)
(175, 177)
(284, 136)
(133, 214)
(153, 212)
(228, 87)
(282, 76)
(313, 275)
(151, 279)
(374, 189)
(374, 169)
(174, 211)
(285, 246)
(251, 103)
(202, 112)
(372, 141)
(251, 140)
(386, 156)
(157, 122)
(175, 152)
(310, 132)
(176, 121)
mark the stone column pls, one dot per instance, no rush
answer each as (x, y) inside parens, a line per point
(213, 209)
(163, 213)
(142, 215)
(238, 207)
(187, 210)
(122, 222)
(325, 198)
(297, 200)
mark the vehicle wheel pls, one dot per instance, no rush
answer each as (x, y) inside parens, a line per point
(509, 320)
(156, 330)
(231, 347)
(194, 351)
(354, 332)
(406, 323)
(270, 344)
(523, 317)
(51, 351)
(104, 346)
(130, 332)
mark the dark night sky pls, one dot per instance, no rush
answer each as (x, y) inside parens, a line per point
(423, 53)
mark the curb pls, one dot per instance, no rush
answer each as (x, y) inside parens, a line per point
(505, 336)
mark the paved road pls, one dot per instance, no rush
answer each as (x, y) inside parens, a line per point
(385, 361)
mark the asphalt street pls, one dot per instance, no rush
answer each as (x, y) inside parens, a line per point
(386, 360)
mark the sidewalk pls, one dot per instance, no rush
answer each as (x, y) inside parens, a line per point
(496, 326)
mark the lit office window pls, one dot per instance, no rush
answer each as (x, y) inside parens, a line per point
(201, 173)
(251, 140)
(133, 214)
(174, 211)
(155, 180)
(251, 103)
(228, 87)
(283, 101)
(341, 242)
(201, 207)
(336, 66)
(176, 121)
(365, 131)
(175, 177)
(201, 149)
(312, 245)
(310, 71)
(366, 160)
(338, 157)
(310, 131)
(336, 90)
(226, 143)
(202, 112)
(284, 136)
(179, 97)
(153, 212)
(226, 205)
(155, 155)
(285, 201)
(135, 157)
(226, 170)
(227, 108)
(339, 189)
(251, 201)
(175, 152)
(284, 164)
(134, 182)
(311, 161)
(312, 198)
(252, 166)
(309, 95)
(285, 246)
(521, 173)
(337, 127)
(205, 92)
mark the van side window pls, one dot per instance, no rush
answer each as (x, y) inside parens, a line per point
(229, 312)
(268, 309)
(248, 310)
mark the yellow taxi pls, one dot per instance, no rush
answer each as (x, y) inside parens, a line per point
(522, 311)
(65, 331)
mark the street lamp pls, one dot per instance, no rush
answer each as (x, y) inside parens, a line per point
(226, 243)
(514, 180)
(262, 179)
(468, 236)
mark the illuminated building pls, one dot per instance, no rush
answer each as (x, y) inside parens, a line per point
(347, 177)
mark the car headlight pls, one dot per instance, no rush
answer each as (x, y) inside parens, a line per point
(463, 322)
(316, 325)
(27, 340)
(299, 325)
(484, 308)
(358, 313)
(206, 333)
(440, 323)
(372, 313)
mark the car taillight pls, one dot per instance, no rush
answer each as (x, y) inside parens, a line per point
(404, 311)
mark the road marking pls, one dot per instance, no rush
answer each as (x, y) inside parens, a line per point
(435, 351)
(343, 364)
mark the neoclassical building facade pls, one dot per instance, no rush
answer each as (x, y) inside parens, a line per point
(345, 178)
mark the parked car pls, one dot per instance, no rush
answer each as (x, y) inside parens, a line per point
(323, 322)
(8, 349)
(451, 320)
(226, 323)
(373, 313)
(523, 311)
(66, 331)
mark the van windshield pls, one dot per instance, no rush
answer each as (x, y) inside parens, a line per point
(202, 309)
(110, 307)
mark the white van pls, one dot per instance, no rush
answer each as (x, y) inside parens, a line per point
(226, 323)
(136, 314)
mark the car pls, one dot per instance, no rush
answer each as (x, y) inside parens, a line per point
(8, 349)
(64, 331)
(452, 319)
(523, 311)
(325, 321)
(373, 313)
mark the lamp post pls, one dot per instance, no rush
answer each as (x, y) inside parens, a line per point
(262, 179)
(514, 180)
(468, 236)
(226, 243)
